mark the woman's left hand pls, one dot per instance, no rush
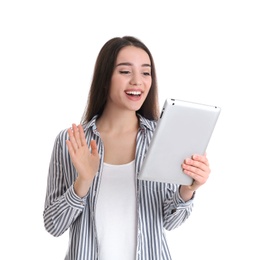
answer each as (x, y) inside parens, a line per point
(198, 168)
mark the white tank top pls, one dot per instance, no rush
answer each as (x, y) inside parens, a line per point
(116, 219)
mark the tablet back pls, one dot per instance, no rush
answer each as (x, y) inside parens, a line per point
(184, 128)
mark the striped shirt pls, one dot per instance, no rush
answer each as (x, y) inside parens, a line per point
(159, 205)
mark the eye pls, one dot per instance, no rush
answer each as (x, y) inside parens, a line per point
(146, 73)
(124, 72)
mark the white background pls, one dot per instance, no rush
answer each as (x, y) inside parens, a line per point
(205, 51)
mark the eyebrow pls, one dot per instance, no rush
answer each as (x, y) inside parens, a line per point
(130, 64)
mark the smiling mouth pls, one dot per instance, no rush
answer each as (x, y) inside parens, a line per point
(134, 93)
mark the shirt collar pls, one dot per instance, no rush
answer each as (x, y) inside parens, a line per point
(144, 123)
(92, 123)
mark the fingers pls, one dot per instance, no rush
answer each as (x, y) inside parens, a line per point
(82, 137)
(197, 167)
(201, 158)
(76, 136)
(72, 142)
(70, 147)
(93, 146)
(77, 140)
(192, 168)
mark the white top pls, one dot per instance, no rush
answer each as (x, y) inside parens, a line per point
(116, 212)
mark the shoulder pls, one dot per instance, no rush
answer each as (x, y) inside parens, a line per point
(63, 134)
(89, 131)
(87, 127)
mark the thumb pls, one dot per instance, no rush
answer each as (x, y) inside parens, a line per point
(93, 146)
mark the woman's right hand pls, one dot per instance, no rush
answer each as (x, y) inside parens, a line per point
(86, 161)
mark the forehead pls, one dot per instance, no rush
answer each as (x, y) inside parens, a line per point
(133, 55)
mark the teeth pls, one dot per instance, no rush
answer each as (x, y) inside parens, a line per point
(135, 93)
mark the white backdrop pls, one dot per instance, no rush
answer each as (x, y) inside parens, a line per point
(205, 51)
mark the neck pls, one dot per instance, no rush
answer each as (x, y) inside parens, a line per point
(118, 121)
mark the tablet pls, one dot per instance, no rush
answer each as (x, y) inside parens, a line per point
(183, 129)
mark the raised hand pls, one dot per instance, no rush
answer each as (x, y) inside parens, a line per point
(85, 160)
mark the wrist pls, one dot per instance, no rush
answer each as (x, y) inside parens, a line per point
(186, 192)
(81, 186)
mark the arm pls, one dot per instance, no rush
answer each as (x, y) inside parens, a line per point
(179, 202)
(68, 186)
(62, 205)
(176, 210)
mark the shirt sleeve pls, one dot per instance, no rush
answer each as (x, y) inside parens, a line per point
(176, 210)
(62, 205)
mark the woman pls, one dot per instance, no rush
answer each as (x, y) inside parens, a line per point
(92, 187)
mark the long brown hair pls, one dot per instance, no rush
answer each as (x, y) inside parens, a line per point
(101, 80)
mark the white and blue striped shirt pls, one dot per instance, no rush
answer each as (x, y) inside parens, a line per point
(159, 205)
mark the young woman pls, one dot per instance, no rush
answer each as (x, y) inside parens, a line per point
(92, 187)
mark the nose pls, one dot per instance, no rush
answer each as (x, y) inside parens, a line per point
(135, 84)
(136, 80)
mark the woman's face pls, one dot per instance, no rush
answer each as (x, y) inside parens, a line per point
(131, 79)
